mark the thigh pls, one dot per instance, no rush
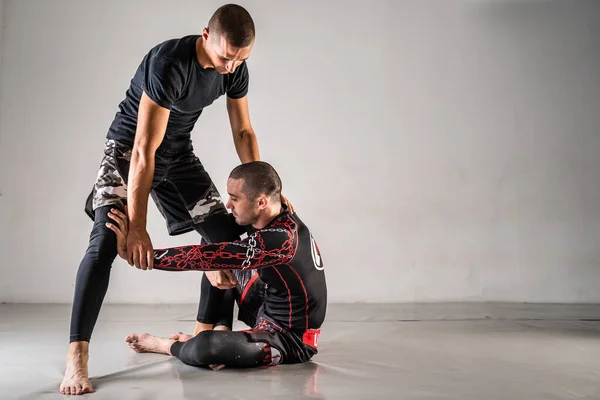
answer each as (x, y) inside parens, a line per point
(110, 188)
(186, 196)
(289, 344)
(250, 295)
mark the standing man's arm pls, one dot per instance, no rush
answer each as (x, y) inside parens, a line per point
(244, 137)
(151, 127)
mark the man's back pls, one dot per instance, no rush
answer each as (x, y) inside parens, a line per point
(296, 293)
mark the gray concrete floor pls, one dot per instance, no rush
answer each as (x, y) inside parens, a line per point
(423, 351)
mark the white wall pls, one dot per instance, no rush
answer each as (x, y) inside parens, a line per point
(440, 151)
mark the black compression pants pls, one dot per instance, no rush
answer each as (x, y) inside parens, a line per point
(233, 349)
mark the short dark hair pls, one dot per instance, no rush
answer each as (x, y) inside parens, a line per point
(259, 178)
(235, 23)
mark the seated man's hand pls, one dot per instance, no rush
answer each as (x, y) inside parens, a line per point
(221, 279)
(285, 201)
(120, 229)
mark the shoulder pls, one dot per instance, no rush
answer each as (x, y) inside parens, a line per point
(237, 82)
(241, 70)
(173, 53)
(177, 48)
(283, 227)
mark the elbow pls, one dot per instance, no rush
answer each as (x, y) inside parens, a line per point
(245, 135)
(140, 158)
(142, 152)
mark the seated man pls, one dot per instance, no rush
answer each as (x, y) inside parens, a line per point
(281, 290)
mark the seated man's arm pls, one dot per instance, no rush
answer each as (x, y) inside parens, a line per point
(263, 248)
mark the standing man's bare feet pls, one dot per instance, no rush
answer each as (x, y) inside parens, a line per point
(76, 380)
(145, 343)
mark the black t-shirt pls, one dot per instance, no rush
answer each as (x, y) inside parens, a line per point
(171, 76)
(287, 260)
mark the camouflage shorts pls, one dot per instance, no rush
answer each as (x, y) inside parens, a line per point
(181, 188)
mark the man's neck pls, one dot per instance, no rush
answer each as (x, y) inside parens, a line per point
(268, 216)
(203, 58)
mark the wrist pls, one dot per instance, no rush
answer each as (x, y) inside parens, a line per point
(137, 227)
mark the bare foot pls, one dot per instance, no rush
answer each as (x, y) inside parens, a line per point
(145, 343)
(181, 337)
(76, 380)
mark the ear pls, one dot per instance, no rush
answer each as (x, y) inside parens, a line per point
(263, 202)
(205, 33)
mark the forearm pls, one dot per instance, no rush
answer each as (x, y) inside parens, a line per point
(258, 251)
(141, 171)
(206, 257)
(246, 146)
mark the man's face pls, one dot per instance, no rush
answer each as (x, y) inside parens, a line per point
(223, 56)
(245, 211)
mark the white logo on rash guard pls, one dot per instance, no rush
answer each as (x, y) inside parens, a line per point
(159, 256)
(316, 254)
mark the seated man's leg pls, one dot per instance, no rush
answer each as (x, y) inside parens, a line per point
(232, 349)
(215, 308)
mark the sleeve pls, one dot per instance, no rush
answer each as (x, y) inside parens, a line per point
(238, 84)
(261, 249)
(163, 80)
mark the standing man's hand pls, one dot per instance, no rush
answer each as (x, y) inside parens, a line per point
(139, 249)
(120, 228)
(221, 279)
(285, 201)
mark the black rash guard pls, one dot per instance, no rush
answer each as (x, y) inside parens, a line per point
(287, 260)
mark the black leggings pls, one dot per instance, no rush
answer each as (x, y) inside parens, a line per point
(233, 349)
(93, 274)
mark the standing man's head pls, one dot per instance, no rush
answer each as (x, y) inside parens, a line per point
(229, 37)
(254, 193)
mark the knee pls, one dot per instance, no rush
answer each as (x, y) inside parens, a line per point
(220, 228)
(205, 349)
(103, 241)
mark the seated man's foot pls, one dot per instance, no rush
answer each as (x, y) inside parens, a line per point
(76, 380)
(145, 343)
(181, 337)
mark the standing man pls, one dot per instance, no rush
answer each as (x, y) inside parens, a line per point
(149, 152)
